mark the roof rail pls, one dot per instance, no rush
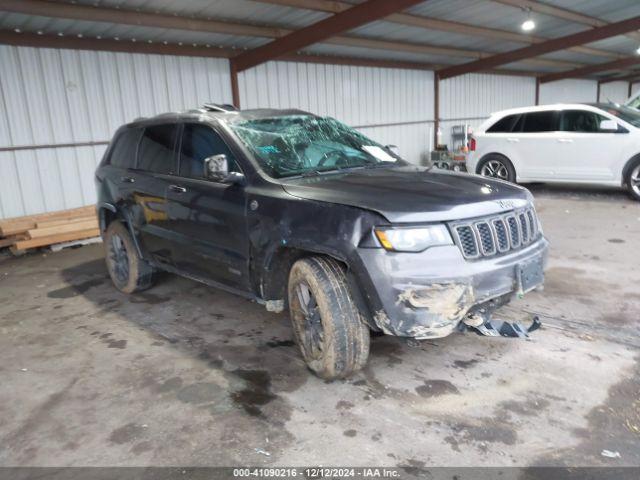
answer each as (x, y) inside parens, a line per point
(220, 107)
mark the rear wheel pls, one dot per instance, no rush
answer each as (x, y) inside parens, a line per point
(633, 180)
(128, 272)
(329, 329)
(497, 166)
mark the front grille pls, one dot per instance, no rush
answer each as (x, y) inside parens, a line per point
(467, 241)
(502, 237)
(514, 232)
(497, 234)
(487, 244)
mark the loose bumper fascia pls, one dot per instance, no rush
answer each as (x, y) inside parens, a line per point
(426, 295)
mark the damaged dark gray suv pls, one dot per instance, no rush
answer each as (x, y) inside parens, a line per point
(294, 210)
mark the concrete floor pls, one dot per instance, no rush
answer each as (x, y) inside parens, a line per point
(187, 375)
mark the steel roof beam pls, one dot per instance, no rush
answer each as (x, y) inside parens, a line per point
(10, 37)
(354, 17)
(629, 77)
(554, 45)
(430, 23)
(591, 69)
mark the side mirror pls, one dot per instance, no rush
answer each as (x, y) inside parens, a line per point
(216, 168)
(608, 126)
(393, 149)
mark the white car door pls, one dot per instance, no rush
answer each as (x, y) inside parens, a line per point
(588, 153)
(535, 138)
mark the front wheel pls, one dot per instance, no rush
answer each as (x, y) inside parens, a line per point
(497, 166)
(328, 326)
(633, 180)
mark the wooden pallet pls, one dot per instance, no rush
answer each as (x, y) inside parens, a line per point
(23, 233)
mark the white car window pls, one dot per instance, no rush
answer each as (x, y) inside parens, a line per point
(582, 121)
(545, 121)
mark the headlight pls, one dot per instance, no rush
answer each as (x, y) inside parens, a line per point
(413, 239)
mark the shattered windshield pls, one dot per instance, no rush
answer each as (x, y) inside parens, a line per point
(306, 145)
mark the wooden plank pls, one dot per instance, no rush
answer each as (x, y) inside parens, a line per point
(12, 226)
(64, 221)
(65, 237)
(7, 242)
(66, 228)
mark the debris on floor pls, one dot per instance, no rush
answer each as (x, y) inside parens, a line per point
(610, 454)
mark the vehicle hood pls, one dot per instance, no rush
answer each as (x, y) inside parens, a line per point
(412, 194)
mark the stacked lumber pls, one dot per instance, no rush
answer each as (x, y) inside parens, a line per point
(22, 233)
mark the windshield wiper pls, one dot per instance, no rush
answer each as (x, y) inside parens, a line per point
(380, 165)
(310, 173)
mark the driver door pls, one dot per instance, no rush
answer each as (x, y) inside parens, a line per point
(207, 217)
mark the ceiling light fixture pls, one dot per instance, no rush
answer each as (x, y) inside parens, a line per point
(528, 24)
(638, 50)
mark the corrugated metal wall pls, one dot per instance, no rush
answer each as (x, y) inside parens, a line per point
(391, 106)
(568, 91)
(470, 99)
(67, 96)
(616, 92)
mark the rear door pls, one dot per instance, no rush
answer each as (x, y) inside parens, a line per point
(587, 153)
(535, 137)
(208, 217)
(120, 166)
(155, 167)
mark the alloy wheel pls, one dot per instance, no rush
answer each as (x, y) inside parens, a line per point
(635, 180)
(495, 169)
(313, 333)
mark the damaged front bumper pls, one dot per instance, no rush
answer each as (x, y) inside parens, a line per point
(426, 295)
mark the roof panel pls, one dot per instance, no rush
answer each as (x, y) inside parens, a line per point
(394, 31)
(255, 13)
(485, 13)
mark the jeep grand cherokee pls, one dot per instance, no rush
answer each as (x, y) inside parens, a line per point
(294, 210)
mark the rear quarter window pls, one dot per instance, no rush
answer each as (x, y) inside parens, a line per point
(124, 150)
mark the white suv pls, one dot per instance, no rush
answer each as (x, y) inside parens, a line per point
(575, 143)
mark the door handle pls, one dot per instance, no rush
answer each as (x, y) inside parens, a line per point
(177, 188)
(513, 140)
(565, 140)
(127, 179)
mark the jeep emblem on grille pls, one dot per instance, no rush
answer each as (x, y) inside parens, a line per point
(505, 204)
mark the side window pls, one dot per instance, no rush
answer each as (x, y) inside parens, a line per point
(123, 154)
(581, 121)
(504, 125)
(540, 122)
(200, 142)
(156, 151)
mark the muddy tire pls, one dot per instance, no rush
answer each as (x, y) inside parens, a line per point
(329, 329)
(128, 272)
